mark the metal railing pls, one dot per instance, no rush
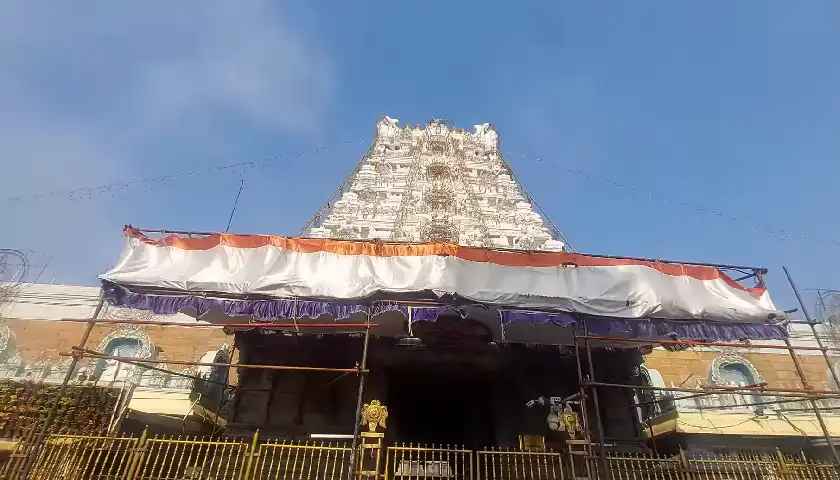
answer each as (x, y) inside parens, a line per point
(70, 457)
(435, 462)
(734, 466)
(513, 464)
(73, 457)
(179, 458)
(306, 460)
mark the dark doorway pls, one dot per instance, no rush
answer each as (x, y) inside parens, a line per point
(442, 407)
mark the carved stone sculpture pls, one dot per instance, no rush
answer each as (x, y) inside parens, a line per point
(439, 184)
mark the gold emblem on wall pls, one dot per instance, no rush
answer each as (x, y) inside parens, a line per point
(374, 414)
(570, 422)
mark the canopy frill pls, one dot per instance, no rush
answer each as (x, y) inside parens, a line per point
(525, 297)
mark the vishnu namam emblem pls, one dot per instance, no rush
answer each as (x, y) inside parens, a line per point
(374, 414)
(570, 421)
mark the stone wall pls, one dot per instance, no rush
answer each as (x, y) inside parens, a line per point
(687, 368)
(31, 349)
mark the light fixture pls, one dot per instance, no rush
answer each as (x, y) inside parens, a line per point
(410, 342)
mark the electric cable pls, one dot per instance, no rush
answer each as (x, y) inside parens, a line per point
(782, 233)
(112, 187)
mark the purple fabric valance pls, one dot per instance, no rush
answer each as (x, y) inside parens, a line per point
(685, 330)
(507, 317)
(261, 310)
(633, 328)
(274, 309)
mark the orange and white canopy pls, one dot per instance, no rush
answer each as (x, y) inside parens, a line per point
(287, 267)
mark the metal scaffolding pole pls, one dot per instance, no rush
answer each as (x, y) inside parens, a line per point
(354, 463)
(81, 353)
(827, 361)
(602, 449)
(812, 324)
(583, 397)
(814, 405)
(42, 434)
(691, 343)
(767, 392)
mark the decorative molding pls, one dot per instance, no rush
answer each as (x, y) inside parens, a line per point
(123, 313)
(145, 349)
(183, 382)
(435, 184)
(7, 342)
(730, 357)
(13, 366)
(38, 370)
(224, 353)
(146, 377)
(59, 370)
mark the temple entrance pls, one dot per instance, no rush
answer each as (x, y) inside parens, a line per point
(441, 406)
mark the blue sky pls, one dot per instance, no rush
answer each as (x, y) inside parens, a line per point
(730, 106)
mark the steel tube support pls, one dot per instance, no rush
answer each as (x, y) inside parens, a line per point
(583, 397)
(81, 353)
(811, 323)
(814, 405)
(582, 386)
(825, 356)
(602, 449)
(767, 392)
(649, 341)
(354, 459)
(42, 434)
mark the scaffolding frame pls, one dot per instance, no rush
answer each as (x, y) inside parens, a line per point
(588, 383)
(80, 351)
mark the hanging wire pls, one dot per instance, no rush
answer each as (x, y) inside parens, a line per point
(111, 188)
(780, 232)
(745, 223)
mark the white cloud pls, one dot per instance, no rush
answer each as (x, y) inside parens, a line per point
(85, 86)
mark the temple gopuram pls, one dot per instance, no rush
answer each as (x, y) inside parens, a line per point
(431, 321)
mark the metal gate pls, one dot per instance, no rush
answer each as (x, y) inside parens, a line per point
(69, 457)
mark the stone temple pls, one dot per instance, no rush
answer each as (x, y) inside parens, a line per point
(436, 184)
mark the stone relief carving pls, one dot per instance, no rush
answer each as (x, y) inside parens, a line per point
(132, 332)
(487, 137)
(147, 377)
(60, 370)
(12, 367)
(124, 313)
(396, 192)
(716, 377)
(224, 353)
(7, 342)
(145, 349)
(185, 383)
(387, 128)
(37, 370)
(726, 358)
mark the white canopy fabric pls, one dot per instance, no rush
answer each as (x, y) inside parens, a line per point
(286, 267)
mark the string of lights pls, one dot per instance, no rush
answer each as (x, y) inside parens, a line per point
(783, 233)
(113, 188)
(745, 223)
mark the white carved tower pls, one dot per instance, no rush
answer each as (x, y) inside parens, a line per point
(435, 184)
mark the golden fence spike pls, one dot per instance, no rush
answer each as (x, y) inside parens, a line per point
(250, 455)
